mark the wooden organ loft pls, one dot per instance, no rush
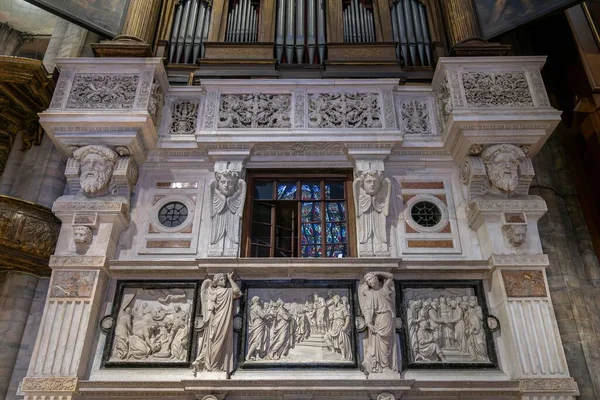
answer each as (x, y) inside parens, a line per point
(300, 38)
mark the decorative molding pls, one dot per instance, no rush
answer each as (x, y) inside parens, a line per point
(299, 109)
(298, 149)
(103, 92)
(540, 96)
(550, 385)
(344, 110)
(145, 89)
(415, 116)
(78, 261)
(389, 110)
(54, 384)
(256, 110)
(210, 109)
(496, 89)
(62, 88)
(97, 205)
(184, 114)
(519, 260)
(455, 86)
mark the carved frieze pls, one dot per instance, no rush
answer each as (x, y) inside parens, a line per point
(256, 110)
(103, 91)
(524, 283)
(156, 102)
(211, 108)
(389, 109)
(184, 114)
(73, 284)
(299, 109)
(344, 110)
(550, 385)
(497, 89)
(298, 149)
(54, 384)
(62, 88)
(415, 116)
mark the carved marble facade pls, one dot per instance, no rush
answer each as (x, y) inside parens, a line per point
(158, 212)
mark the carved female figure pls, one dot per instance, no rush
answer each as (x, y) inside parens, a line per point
(216, 348)
(372, 194)
(377, 303)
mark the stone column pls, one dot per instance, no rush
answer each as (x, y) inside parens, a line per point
(16, 298)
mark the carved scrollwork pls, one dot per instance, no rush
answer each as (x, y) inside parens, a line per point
(344, 110)
(415, 116)
(103, 91)
(183, 117)
(55, 384)
(505, 89)
(257, 110)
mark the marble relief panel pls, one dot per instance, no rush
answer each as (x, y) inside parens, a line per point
(298, 326)
(446, 326)
(524, 283)
(72, 284)
(151, 325)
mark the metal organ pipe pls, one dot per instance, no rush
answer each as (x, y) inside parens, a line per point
(311, 40)
(358, 23)
(182, 30)
(289, 31)
(189, 36)
(321, 29)
(300, 28)
(411, 32)
(190, 31)
(242, 23)
(279, 40)
(175, 33)
(299, 31)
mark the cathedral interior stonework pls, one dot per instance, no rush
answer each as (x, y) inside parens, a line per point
(254, 203)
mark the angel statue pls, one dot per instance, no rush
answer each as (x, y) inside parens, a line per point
(376, 296)
(228, 193)
(216, 341)
(372, 193)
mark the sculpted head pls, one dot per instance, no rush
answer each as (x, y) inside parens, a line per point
(516, 234)
(82, 235)
(255, 300)
(372, 280)
(226, 182)
(219, 280)
(502, 166)
(371, 181)
(96, 168)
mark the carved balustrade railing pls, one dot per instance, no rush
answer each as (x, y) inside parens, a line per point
(28, 235)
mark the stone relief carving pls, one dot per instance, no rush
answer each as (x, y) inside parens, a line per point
(54, 384)
(389, 110)
(445, 325)
(386, 396)
(156, 102)
(257, 110)
(210, 109)
(299, 109)
(549, 385)
(228, 193)
(372, 201)
(73, 284)
(377, 298)
(299, 326)
(143, 98)
(344, 110)
(153, 325)
(61, 89)
(216, 341)
(516, 234)
(183, 117)
(535, 77)
(103, 91)
(528, 283)
(503, 89)
(502, 166)
(444, 101)
(96, 164)
(415, 116)
(82, 237)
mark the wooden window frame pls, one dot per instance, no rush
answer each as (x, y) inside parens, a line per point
(253, 176)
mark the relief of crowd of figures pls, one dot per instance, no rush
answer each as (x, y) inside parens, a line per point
(318, 329)
(298, 325)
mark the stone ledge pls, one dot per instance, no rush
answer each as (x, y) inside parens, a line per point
(566, 386)
(51, 384)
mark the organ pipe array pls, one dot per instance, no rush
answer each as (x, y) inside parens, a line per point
(411, 33)
(291, 38)
(242, 22)
(190, 31)
(359, 25)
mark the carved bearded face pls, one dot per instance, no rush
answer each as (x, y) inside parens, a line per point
(371, 184)
(95, 173)
(227, 184)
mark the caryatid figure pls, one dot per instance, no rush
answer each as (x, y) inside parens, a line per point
(228, 193)
(372, 194)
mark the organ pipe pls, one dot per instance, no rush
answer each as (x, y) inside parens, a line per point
(358, 23)
(189, 32)
(311, 41)
(411, 33)
(280, 31)
(242, 23)
(299, 31)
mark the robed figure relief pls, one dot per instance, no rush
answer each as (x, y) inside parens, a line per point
(376, 295)
(216, 342)
(372, 194)
(228, 193)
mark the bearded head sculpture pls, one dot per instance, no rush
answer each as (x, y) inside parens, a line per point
(96, 167)
(502, 167)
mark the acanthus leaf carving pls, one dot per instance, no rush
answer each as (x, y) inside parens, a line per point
(183, 117)
(415, 116)
(344, 110)
(103, 91)
(256, 110)
(500, 89)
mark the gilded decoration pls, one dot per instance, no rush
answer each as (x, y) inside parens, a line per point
(524, 283)
(28, 235)
(57, 384)
(73, 284)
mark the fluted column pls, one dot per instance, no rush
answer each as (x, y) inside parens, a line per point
(461, 20)
(141, 19)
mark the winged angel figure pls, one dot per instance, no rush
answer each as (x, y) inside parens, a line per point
(228, 193)
(216, 340)
(372, 193)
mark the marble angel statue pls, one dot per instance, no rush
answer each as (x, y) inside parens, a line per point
(376, 296)
(228, 193)
(372, 201)
(216, 342)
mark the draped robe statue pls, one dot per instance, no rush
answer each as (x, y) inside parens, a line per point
(377, 304)
(216, 342)
(228, 193)
(372, 201)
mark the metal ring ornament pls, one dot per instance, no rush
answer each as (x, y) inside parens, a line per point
(106, 323)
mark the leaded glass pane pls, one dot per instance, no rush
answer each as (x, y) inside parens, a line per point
(311, 233)
(335, 250)
(311, 190)
(286, 191)
(426, 214)
(334, 191)
(311, 251)
(263, 190)
(336, 233)
(311, 211)
(336, 211)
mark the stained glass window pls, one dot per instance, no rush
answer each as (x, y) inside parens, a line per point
(299, 218)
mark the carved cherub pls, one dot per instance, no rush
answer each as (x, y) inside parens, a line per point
(228, 193)
(372, 194)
